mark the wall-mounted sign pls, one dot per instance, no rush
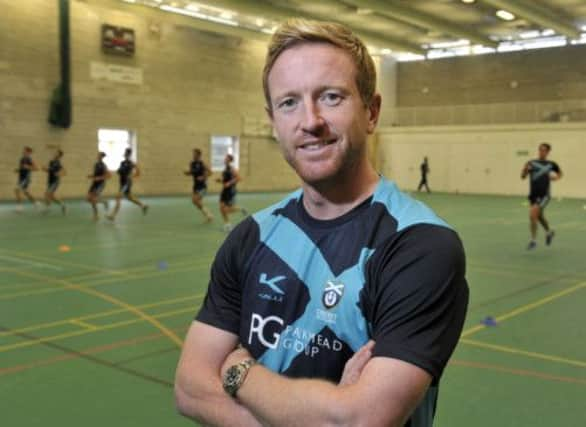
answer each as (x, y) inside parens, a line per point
(118, 40)
(115, 73)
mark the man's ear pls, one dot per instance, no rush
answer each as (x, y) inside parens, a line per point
(374, 112)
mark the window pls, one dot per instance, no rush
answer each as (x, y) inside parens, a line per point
(220, 146)
(113, 142)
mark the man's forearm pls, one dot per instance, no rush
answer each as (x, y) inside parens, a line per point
(283, 402)
(212, 406)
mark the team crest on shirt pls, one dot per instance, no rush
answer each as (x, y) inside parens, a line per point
(332, 295)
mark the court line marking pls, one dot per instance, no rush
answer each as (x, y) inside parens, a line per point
(82, 324)
(524, 308)
(98, 315)
(533, 355)
(520, 372)
(61, 262)
(92, 284)
(41, 340)
(115, 301)
(133, 270)
(31, 263)
(88, 351)
(521, 269)
(131, 243)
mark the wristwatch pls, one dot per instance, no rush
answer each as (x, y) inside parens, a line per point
(235, 376)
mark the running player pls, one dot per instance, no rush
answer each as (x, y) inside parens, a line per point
(200, 173)
(25, 167)
(541, 171)
(99, 177)
(127, 171)
(55, 171)
(230, 178)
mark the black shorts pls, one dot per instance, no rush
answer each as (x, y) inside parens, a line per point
(126, 187)
(97, 187)
(23, 183)
(228, 196)
(52, 186)
(199, 188)
(539, 199)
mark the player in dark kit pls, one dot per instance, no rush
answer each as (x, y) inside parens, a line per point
(127, 171)
(230, 178)
(424, 168)
(541, 172)
(25, 168)
(200, 173)
(55, 171)
(99, 177)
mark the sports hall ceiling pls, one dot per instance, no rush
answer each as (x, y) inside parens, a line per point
(407, 29)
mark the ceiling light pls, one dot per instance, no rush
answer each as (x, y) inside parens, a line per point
(468, 1)
(226, 15)
(386, 51)
(446, 45)
(259, 21)
(505, 15)
(529, 34)
(192, 7)
(548, 32)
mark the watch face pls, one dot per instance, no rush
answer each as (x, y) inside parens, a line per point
(232, 379)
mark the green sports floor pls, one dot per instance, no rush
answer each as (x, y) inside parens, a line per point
(92, 314)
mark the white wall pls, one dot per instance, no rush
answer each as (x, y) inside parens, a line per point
(483, 159)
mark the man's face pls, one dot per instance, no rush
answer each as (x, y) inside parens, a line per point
(317, 113)
(543, 152)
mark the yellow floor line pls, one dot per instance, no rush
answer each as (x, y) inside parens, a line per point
(30, 343)
(531, 354)
(83, 324)
(85, 276)
(525, 308)
(115, 301)
(104, 281)
(99, 315)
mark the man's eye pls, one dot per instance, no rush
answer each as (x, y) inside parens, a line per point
(331, 98)
(286, 104)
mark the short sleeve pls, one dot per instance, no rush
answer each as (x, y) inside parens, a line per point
(223, 301)
(555, 167)
(417, 296)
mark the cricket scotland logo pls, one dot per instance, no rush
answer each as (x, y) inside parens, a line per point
(332, 295)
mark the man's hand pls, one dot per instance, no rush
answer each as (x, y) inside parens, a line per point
(355, 365)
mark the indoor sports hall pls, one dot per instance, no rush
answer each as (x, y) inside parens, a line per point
(95, 300)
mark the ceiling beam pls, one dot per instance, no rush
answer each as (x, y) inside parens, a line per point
(537, 15)
(276, 13)
(394, 10)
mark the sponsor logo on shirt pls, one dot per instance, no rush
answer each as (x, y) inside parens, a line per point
(290, 338)
(271, 292)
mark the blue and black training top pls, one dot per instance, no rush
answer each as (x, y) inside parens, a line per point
(24, 171)
(198, 169)
(53, 171)
(125, 171)
(539, 171)
(304, 295)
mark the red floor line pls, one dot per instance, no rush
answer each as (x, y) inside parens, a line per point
(520, 372)
(92, 350)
